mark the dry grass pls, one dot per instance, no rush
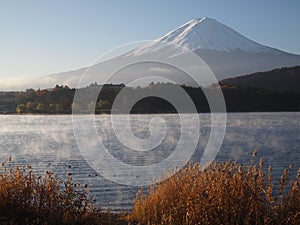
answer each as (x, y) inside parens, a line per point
(223, 193)
(29, 199)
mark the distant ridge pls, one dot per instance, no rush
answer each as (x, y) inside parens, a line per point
(280, 79)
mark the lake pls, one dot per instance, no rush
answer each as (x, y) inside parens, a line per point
(48, 143)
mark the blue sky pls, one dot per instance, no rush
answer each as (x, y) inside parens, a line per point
(43, 37)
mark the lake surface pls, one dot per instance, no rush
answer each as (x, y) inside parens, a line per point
(48, 143)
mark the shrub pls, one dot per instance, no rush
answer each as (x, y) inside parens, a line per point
(222, 193)
(29, 199)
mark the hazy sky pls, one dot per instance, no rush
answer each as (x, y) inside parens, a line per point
(43, 37)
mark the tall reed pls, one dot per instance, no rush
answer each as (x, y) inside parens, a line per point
(26, 198)
(222, 193)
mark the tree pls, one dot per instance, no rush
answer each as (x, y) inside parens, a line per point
(75, 106)
(59, 108)
(91, 106)
(21, 108)
(104, 104)
(41, 108)
(31, 106)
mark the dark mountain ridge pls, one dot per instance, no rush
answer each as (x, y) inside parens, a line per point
(286, 78)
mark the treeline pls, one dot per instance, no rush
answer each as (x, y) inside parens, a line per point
(8, 101)
(60, 99)
(57, 100)
(250, 99)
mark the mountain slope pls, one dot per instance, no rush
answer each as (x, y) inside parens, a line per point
(280, 79)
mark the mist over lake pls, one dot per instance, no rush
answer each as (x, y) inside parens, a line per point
(48, 143)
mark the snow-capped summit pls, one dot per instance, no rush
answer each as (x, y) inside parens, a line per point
(226, 52)
(207, 33)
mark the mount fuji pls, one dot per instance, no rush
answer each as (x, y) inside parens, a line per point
(226, 52)
(209, 34)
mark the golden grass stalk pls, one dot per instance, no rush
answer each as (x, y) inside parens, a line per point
(222, 193)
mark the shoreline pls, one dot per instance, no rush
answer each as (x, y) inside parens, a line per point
(160, 113)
